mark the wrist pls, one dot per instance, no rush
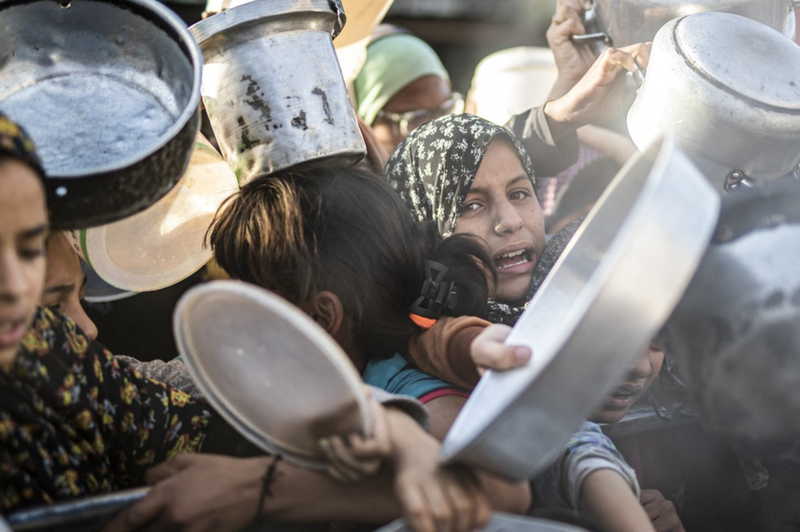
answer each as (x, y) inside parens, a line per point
(409, 441)
(559, 119)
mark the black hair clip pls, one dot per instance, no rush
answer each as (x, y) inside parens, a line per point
(435, 293)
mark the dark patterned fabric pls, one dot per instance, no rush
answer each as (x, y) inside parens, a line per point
(433, 170)
(75, 422)
(15, 143)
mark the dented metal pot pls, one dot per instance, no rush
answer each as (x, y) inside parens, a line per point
(272, 86)
(728, 89)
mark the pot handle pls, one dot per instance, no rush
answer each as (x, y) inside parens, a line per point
(601, 41)
(341, 18)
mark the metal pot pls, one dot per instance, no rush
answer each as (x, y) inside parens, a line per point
(606, 297)
(633, 21)
(109, 91)
(736, 331)
(728, 89)
(272, 86)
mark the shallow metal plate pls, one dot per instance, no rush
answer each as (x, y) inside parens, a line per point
(500, 522)
(609, 293)
(277, 377)
(165, 243)
(89, 514)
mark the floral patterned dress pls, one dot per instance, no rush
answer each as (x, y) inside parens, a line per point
(74, 421)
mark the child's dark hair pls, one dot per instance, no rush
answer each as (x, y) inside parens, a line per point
(345, 230)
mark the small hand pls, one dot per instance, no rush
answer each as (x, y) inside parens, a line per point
(354, 457)
(662, 512)
(602, 94)
(489, 352)
(434, 498)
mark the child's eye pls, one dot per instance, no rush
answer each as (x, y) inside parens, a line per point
(56, 307)
(31, 253)
(470, 207)
(519, 195)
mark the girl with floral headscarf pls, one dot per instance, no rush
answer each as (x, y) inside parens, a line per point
(468, 175)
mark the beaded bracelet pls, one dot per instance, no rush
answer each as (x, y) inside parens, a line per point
(266, 485)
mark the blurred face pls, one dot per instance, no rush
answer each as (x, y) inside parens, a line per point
(639, 378)
(63, 288)
(501, 209)
(428, 93)
(23, 229)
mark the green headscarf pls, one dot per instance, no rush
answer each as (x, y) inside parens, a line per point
(392, 63)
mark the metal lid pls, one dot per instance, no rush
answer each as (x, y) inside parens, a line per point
(251, 12)
(748, 59)
(164, 244)
(275, 375)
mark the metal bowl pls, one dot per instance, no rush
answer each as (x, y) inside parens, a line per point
(109, 91)
(275, 375)
(273, 88)
(735, 332)
(607, 296)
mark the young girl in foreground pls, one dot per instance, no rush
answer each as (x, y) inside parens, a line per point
(339, 244)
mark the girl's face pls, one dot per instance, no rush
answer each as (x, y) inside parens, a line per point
(639, 378)
(501, 208)
(64, 283)
(23, 230)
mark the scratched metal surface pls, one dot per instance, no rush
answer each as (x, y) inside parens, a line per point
(273, 89)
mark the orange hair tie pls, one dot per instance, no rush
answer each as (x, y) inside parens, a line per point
(424, 323)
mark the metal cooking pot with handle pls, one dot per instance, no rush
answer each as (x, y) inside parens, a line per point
(109, 92)
(272, 86)
(628, 22)
(728, 89)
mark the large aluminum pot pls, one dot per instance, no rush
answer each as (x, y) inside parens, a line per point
(736, 332)
(728, 89)
(606, 298)
(633, 21)
(109, 91)
(272, 86)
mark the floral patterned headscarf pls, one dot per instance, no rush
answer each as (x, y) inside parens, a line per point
(16, 144)
(433, 168)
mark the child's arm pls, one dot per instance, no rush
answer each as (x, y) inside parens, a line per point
(444, 350)
(607, 499)
(432, 497)
(457, 350)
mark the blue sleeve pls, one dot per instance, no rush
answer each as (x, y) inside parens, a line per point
(396, 375)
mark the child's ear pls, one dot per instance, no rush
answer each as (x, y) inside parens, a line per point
(327, 310)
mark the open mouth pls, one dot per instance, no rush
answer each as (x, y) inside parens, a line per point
(624, 395)
(11, 332)
(512, 259)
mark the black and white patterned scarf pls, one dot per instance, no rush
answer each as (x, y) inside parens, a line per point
(433, 170)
